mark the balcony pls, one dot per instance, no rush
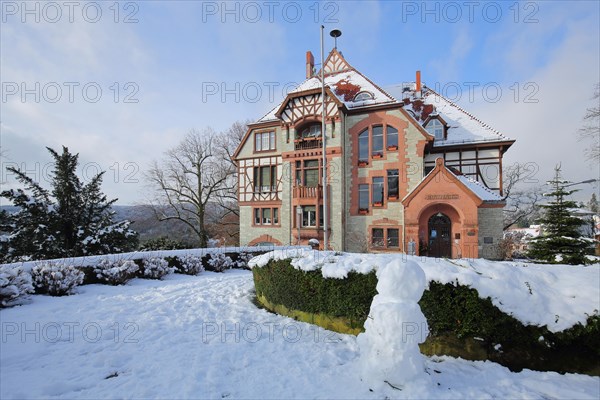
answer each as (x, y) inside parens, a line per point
(308, 192)
(308, 143)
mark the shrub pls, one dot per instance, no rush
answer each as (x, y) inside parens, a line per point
(15, 283)
(219, 262)
(115, 272)
(308, 291)
(456, 316)
(155, 268)
(162, 243)
(56, 279)
(189, 265)
(242, 260)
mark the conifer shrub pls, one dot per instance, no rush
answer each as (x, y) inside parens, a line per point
(115, 272)
(15, 285)
(155, 268)
(56, 279)
(308, 291)
(241, 260)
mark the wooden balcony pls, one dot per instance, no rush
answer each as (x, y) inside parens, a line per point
(308, 192)
(308, 143)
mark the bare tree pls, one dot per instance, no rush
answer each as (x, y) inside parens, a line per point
(189, 177)
(521, 203)
(591, 128)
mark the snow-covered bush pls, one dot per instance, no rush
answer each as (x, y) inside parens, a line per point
(115, 272)
(190, 265)
(242, 260)
(56, 279)
(14, 284)
(155, 268)
(219, 262)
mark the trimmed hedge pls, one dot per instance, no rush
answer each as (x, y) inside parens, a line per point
(461, 323)
(349, 298)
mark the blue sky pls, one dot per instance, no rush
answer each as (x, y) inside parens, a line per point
(537, 60)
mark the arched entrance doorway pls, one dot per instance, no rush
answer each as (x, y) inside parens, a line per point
(439, 228)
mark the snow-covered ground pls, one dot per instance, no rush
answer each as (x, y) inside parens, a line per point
(201, 337)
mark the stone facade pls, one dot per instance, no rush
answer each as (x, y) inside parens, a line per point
(436, 214)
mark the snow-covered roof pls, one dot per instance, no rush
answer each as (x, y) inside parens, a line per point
(463, 127)
(479, 189)
(345, 84)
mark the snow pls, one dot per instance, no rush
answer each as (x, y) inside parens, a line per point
(389, 347)
(90, 261)
(462, 126)
(561, 295)
(202, 337)
(480, 190)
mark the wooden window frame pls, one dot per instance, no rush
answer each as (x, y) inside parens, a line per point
(261, 223)
(272, 133)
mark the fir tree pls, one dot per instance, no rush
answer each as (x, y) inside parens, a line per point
(562, 240)
(72, 219)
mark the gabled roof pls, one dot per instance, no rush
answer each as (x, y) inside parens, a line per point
(463, 127)
(344, 82)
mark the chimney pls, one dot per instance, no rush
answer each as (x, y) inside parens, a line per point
(310, 64)
(418, 88)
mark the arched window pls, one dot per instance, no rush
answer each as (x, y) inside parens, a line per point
(363, 146)
(363, 96)
(435, 128)
(311, 131)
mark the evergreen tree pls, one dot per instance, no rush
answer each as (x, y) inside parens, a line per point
(562, 240)
(72, 219)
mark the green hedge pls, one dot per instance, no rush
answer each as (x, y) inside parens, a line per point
(460, 322)
(350, 298)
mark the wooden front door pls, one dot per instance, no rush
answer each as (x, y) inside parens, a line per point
(440, 234)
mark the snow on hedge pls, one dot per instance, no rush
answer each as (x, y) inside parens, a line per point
(91, 261)
(558, 296)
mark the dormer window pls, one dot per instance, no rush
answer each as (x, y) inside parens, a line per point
(363, 96)
(435, 128)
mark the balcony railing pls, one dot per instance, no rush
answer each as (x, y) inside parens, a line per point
(308, 143)
(308, 192)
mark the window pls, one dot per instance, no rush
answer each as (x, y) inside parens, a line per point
(377, 141)
(311, 131)
(391, 137)
(378, 191)
(363, 96)
(309, 216)
(264, 178)
(435, 128)
(377, 237)
(363, 197)
(307, 173)
(393, 237)
(311, 173)
(363, 146)
(392, 181)
(257, 219)
(266, 216)
(264, 141)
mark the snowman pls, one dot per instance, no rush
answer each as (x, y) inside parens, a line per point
(389, 347)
